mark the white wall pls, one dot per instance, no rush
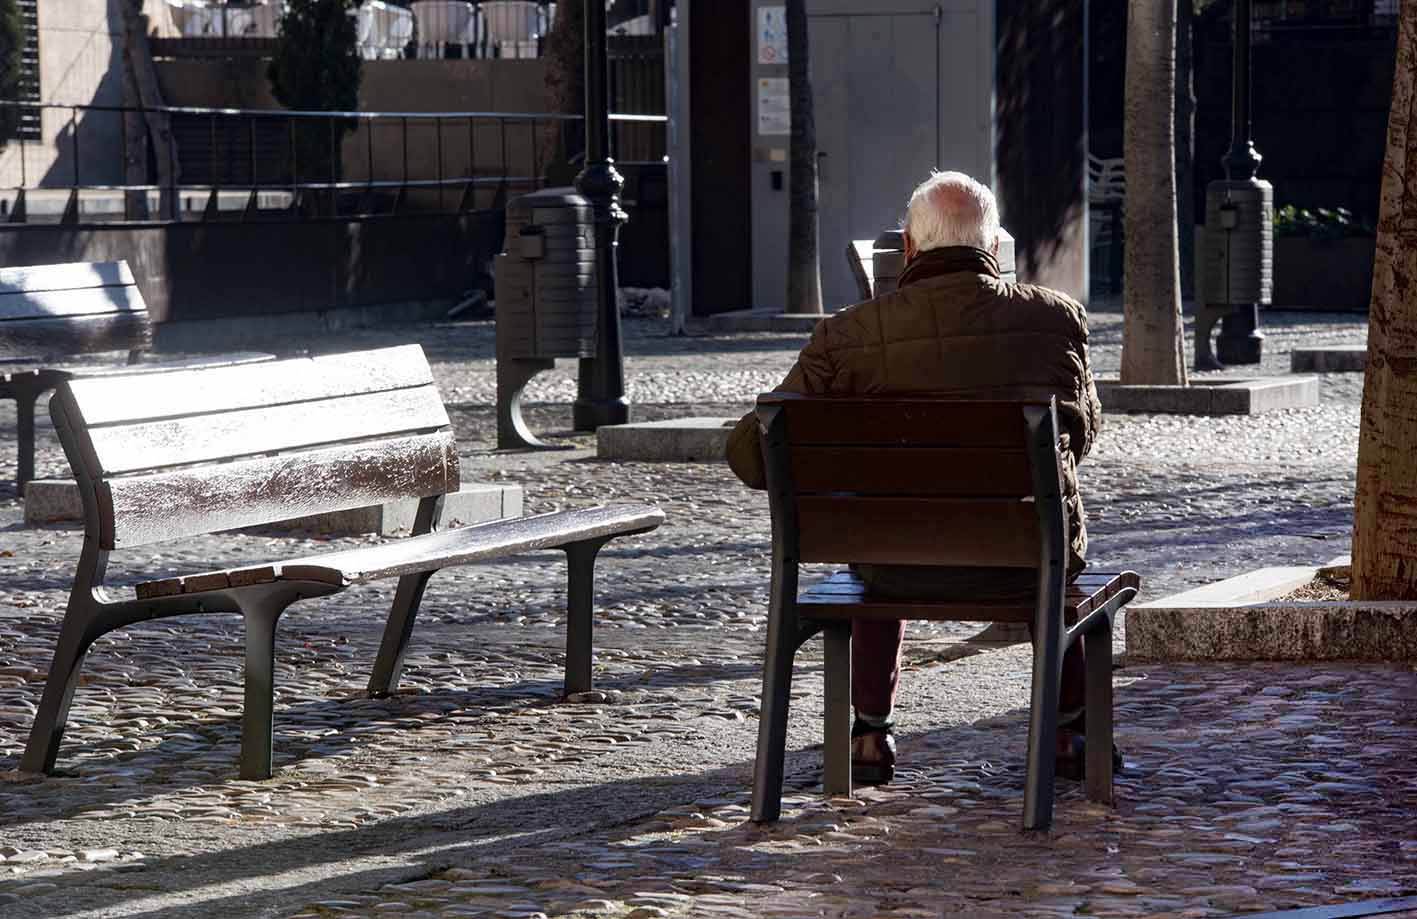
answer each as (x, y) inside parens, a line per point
(79, 62)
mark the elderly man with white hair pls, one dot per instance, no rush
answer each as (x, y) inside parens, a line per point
(952, 327)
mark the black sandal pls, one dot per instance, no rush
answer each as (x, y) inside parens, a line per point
(878, 769)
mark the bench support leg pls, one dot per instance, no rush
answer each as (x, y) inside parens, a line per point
(1043, 728)
(836, 734)
(580, 613)
(397, 631)
(768, 769)
(25, 401)
(75, 636)
(256, 719)
(1098, 649)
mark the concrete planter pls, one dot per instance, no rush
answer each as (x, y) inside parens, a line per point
(1323, 274)
(1241, 619)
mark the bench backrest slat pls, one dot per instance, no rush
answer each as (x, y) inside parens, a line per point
(906, 481)
(71, 309)
(191, 502)
(190, 452)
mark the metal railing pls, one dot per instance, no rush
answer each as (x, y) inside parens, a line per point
(209, 163)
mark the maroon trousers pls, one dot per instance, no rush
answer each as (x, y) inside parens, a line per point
(876, 644)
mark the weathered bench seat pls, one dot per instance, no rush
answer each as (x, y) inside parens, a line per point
(166, 457)
(446, 549)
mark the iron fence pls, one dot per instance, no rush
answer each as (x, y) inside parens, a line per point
(105, 163)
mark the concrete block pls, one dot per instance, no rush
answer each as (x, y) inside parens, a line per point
(55, 501)
(1240, 619)
(762, 321)
(680, 440)
(1212, 397)
(1332, 359)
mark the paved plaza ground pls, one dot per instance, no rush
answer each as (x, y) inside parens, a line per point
(478, 791)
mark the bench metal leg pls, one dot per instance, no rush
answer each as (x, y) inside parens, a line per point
(580, 613)
(836, 734)
(1043, 729)
(397, 631)
(75, 636)
(1098, 649)
(25, 401)
(256, 719)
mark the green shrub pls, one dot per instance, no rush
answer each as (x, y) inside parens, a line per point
(316, 67)
(1319, 223)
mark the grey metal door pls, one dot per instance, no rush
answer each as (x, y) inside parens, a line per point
(897, 94)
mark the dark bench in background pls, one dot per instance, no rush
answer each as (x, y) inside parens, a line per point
(48, 312)
(925, 481)
(177, 455)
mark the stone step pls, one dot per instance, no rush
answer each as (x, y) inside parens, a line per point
(678, 440)
(1212, 396)
(56, 501)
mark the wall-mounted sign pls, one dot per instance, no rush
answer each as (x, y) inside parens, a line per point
(772, 35)
(774, 106)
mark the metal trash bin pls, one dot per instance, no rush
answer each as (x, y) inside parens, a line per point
(546, 298)
(888, 260)
(1237, 275)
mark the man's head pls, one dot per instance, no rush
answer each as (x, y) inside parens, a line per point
(951, 209)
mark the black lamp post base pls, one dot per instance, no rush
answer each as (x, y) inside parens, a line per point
(589, 414)
(1240, 341)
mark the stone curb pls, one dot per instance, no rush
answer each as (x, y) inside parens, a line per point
(760, 321)
(56, 501)
(1238, 619)
(678, 440)
(1207, 397)
(1334, 359)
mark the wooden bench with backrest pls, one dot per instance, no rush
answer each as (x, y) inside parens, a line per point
(172, 456)
(925, 481)
(48, 312)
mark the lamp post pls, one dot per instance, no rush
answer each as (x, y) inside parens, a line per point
(1240, 222)
(600, 397)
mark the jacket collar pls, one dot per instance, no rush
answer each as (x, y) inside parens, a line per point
(948, 260)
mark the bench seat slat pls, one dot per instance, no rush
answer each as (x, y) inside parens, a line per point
(434, 551)
(230, 389)
(192, 502)
(120, 449)
(68, 276)
(18, 308)
(75, 335)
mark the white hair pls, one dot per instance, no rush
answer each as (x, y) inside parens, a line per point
(951, 209)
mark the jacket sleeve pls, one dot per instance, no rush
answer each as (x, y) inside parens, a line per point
(1084, 427)
(745, 444)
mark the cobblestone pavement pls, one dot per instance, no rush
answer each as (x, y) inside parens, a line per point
(477, 790)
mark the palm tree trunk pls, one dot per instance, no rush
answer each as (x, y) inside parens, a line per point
(1153, 349)
(804, 279)
(1385, 518)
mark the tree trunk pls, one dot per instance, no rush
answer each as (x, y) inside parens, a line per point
(565, 84)
(804, 277)
(1153, 347)
(149, 126)
(1186, 145)
(1385, 519)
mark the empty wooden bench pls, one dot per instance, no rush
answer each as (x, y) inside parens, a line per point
(173, 456)
(48, 312)
(925, 481)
